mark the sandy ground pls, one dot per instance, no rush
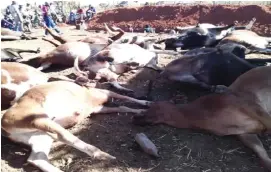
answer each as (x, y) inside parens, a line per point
(180, 149)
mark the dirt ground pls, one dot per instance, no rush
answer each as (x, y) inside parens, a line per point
(179, 149)
(168, 17)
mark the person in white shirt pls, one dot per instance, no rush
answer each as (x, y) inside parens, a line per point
(27, 16)
(52, 8)
(13, 9)
(53, 12)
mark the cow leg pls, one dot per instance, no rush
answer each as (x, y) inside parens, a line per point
(40, 144)
(25, 51)
(44, 66)
(120, 109)
(153, 64)
(154, 67)
(60, 78)
(112, 78)
(253, 142)
(9, 38)
(250, 24)
(223, 33)
(61, 39)
(118, 96)
(52, 42)
(191, 79)
(63, 135)
(119, 87)
(259, 50)
(19, 51)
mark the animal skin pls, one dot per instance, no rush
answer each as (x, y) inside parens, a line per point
(244, 110)
(17, 78)
(41, 115)
(14, 54)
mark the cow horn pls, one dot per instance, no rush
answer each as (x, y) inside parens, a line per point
(77, 68)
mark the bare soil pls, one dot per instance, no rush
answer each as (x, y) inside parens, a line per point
(180, 149)
(168, 17)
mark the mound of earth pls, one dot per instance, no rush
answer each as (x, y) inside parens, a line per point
(167, 17)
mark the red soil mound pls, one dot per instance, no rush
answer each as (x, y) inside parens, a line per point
(166, 17)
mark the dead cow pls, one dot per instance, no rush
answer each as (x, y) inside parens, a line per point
(196, 37)
(213, 27)
(17, 78)
(249, 39)
(41, 115)
(14, 54)
(117, 36)
(10, 35)
(236, 48)
(142, 41)
(201, 35)
(243, 110)
(65, 54)
(117, 59)
(94, 39)
(213, 68)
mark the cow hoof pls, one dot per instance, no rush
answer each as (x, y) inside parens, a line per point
(145, 102)
(100, 155)
(219, 89)
(140, 111)
(148, 103)
(148, 98)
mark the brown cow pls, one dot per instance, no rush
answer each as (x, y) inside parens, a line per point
(41, 115)
(243, 110)
(17, 78)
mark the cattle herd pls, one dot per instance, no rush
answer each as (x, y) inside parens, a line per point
(39, 110)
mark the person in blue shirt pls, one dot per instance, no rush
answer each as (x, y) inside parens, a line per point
(6, 22)
(72, 18)
(90, 12)
(148, 29)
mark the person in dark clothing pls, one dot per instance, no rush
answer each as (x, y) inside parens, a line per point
(6, 22)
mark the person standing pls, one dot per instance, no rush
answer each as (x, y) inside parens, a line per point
(48, 19)
(72, 17)
(13, 10)
(53, 12)
(90, 12)
(80, 13)
(27, 16)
